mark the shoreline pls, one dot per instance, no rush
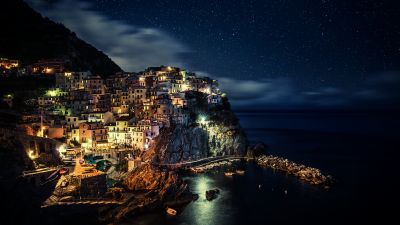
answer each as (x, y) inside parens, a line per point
(137, 203)
(311, 175)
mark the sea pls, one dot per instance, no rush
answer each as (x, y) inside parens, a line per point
(359, 149)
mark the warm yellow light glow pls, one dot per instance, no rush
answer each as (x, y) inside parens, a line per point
(41, 132)
(185, 87)
(32, 155)
(169, 68)
(62, 149)
(48, 70)
(8, 63)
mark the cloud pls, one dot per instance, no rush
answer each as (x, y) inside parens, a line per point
(133, 48)
(381, 91)
(258, 93)
(325, 97)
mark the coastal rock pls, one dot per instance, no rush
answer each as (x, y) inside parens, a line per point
(257, 150)
(147, 178)
(185, 143)
(196, 142)
(308, 174)
(159, 189)
(213, 130)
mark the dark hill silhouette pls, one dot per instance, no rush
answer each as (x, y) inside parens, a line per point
(29, 37)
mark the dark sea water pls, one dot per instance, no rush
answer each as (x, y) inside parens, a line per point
(359, 149)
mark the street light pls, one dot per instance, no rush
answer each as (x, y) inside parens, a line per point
(202, 119)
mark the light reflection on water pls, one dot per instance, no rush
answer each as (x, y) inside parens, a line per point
(202, 210)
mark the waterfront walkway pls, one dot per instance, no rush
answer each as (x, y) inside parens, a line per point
(85, 202)
(39, 171)
(199, 162)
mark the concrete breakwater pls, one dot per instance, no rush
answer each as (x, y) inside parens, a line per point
(308, 174)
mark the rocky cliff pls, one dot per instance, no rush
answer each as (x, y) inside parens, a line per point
(168, 184)
(201, 141)
(153, 188)
(212, 131)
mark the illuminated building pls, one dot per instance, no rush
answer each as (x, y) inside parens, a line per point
(68, 81)
(8, 63)
(93, 135)
(50, 66)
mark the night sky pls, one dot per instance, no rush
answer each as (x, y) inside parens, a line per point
(269, 54)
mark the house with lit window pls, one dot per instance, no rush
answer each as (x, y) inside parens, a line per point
(143, 133)
(214, 99)
(164, 109)
(93, 135)
(118, 131)
(94, 85)
(8, 63)
(68, 81)
(48, 66)
(137, 95)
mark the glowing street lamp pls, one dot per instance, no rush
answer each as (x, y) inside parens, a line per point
(202, 119)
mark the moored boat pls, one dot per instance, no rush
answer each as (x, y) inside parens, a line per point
(229, 174)
(171, 211)
(240, 172)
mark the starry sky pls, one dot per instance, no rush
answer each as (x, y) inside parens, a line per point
(266, 53)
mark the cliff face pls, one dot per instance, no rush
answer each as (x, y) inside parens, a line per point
(219, 134)
(185, 143)
(192, 143)
(29, 37)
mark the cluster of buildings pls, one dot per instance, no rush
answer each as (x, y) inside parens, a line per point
(8, 64)
(126, 110)
(45, 66)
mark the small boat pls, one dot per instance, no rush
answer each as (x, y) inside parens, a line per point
(63, 171)
(240, 172)
(229, 174)
(171, 211)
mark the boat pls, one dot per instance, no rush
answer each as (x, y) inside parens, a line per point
(171, 211)
(240, 172)
(63, 171)
(229, 174)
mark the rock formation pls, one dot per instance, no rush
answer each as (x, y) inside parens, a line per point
(159, 189)
(220, 134)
